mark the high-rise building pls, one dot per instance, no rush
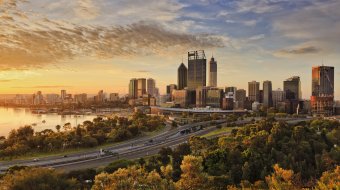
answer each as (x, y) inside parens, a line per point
(182, 77)
(63, 95)
(292, 88)
(114, 97)
(100, 96)
(201, 96)
(231, 92)
(197, 65)
(240, 98)
(151, 85)
(209, 96)
(212, 72)
(180, 98)
(214, 97)
(52, 99)
(141, 87)
(156, 92)
(278, 96)
(170, 88)
(38, 98)
(322, 99)
(80, 98)
(267, 94)
(133, 88)
(254, 91)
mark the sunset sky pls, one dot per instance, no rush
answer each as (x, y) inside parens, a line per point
(89, 45)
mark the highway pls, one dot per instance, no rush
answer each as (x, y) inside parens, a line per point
(130, 150)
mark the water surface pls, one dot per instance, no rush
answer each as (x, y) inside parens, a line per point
(13, 118)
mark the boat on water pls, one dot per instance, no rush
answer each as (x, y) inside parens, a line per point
(43, 121)
(34, 124)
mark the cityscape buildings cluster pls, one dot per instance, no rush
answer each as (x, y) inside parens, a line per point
(63, 98)
(191, 91)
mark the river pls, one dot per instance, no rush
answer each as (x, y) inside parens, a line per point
(13, 118)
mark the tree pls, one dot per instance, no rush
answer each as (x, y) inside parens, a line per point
(164, 155)
(280, 179)
(173, 124)
(58, 127)
(329, 180)
(131, 178)
(37, 179)
(192, 177)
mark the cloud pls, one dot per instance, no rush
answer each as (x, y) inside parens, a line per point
(299, 51)
(318, 22)
(40, 41)
(5, 80)
(257, 37)
(142, 71)
(42, 87)
(86, 9)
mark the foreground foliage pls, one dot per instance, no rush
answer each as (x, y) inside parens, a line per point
(264, 155)
(90, 134)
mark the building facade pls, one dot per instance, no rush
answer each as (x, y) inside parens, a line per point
(240, 98)
(151, 85)
(133, 86)
(213, 72)
(180, 98)
(182, 77)
(322, 99)
(278, 96)
(141, 87)
(292, 88)
(267, 94)
(197, 65)
(254, 91)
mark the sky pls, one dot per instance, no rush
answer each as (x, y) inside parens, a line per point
(89, 45)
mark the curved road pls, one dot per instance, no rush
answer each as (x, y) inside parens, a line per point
(130, 149)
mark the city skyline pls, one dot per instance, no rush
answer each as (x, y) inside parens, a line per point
(247, 38)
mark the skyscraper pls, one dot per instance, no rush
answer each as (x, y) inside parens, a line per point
(133, 88)
(292, 88)
(240, 98)
(151, 85)
(141, 87)
(212, 72)
(254, 91)
(278, 96)
(182, 77)
(197, 65)
(267, 94)
(63, 94)
(322, 99)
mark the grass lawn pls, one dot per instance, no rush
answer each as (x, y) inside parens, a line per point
(218, 132)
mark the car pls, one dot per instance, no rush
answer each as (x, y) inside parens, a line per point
(36, 159)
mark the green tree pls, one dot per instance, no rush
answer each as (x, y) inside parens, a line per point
(192, 177)
(37, 179)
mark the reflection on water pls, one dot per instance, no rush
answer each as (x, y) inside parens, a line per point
(11, 118)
